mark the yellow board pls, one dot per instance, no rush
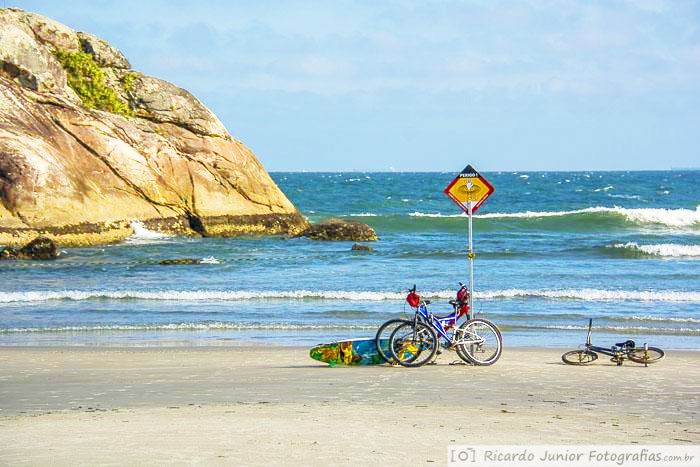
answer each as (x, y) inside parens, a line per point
(469, 189)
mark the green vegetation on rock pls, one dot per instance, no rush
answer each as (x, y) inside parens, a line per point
(88, 80)
(128, 80)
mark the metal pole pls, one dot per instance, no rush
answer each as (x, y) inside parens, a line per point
(470, 255)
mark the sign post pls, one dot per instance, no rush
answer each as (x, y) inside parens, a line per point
(469, 190)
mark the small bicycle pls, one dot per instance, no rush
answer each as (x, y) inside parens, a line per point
(619, 352)
(414, 342)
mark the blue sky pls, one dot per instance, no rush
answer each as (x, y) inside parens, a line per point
(368, 85)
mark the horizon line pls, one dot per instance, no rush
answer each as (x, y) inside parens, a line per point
(675, 169)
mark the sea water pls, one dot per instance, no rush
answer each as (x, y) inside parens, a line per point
(553, 249)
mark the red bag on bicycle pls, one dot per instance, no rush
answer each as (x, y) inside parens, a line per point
(463, 298)
(413, 299)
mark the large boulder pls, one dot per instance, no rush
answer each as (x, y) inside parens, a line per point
(340, 229)
(104, 54)
(39, 248)
(87, 146)
(24, 59)
(163, 102)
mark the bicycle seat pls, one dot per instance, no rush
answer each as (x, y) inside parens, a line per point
(454, 302)
(427, 302)
(628, 343)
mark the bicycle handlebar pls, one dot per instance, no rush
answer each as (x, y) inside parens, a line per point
(413, 290)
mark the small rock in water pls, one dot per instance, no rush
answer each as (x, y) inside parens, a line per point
(39, 248)
(358, 247)
(179, 261)
(340, 229)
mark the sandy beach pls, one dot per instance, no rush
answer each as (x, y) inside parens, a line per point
(259, 405)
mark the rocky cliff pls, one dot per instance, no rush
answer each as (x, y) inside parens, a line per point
(88, 146)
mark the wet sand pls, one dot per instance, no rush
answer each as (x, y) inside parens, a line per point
(261, 405)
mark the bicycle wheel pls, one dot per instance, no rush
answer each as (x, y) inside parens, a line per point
(579, 357)
(648, 355)
(479, 341)
(381, 340)
(413, 345)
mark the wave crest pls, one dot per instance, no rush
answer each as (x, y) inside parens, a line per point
(234, 326)
(671, 250)
(232, 295)
(143, 235)
(662, 216)
(616, 329)
(215, 326)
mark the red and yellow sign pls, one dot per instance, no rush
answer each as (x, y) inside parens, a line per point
(469, 187)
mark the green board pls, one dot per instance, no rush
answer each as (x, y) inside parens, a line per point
(351, 352)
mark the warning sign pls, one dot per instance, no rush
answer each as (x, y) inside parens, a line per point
(469, 187)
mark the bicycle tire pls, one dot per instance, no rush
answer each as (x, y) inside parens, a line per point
(467, 352)
(646, 356)
(579, 357)
(378, 338)
(407, 352)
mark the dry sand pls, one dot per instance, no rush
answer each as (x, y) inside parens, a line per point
(265, 405)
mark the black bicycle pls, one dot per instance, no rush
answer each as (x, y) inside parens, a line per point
(618, 352)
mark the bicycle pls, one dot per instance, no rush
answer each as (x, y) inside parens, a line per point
(415, 342)
(619, 352)
(381, 339)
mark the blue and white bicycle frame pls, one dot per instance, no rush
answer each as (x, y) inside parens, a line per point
(441, 325)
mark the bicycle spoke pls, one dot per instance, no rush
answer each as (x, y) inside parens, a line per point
(480, 342)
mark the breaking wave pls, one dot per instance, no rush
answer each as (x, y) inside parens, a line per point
(143, 235)
(216, 326)
(231, 295)
(663, 319)
(301, 327)
(671, 250)
(659, 216)
(615, 329)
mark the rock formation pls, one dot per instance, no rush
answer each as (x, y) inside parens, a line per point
(39, 248)
(339, 229)
(88, 145)
(359, 247)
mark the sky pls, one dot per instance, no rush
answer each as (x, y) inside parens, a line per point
(425, 85)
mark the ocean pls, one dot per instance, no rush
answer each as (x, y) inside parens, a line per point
(553, 250)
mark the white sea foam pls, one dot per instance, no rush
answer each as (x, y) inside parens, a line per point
(233, 295)
(595, 295)
(427, 214)
(668, 217)
(210, 260)
(217, 326)
(623, 329)
(637, 197)
(143, 235)
(232, 326)
(665, 319)
(663, 249)
(607, 188)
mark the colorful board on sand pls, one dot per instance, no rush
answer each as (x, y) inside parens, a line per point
(350, 352)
